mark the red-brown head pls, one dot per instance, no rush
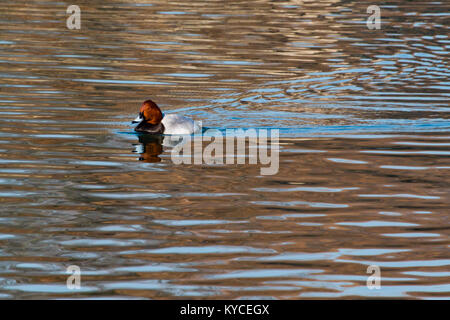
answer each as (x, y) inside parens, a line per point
(149, 113)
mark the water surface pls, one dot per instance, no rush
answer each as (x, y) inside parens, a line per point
(364, 150)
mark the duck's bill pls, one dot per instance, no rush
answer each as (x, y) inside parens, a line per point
(138, 119)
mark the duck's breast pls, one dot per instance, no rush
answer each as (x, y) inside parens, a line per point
(176, 124)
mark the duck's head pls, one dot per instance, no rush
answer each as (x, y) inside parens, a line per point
(149, 113)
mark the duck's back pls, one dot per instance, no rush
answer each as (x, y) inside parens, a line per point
(176, 124)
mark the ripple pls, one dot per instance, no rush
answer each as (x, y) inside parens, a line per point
(403, 195)
(102, 242)
(123, 81)
(404, 264)
(428, 274)
(122, 195)
(205, 250)
(183, 223)
(300, 203)
(49, 288)
(154, 268)
(306, 189)
(188, 75)
(374, 223)
(350, 161)
(431, 152)
(404, 167)
(412, 235)
(266, 273)
(388, 291)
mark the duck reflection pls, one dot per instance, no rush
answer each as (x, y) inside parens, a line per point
(150, 147)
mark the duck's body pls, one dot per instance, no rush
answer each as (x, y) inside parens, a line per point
(176, 124)
(152, 120)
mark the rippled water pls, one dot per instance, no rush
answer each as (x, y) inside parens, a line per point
(364, 150)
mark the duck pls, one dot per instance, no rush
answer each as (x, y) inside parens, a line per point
(152, 120)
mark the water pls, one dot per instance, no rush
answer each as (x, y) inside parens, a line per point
(364, 150)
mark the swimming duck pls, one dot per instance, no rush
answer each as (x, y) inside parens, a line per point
(152, 120)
